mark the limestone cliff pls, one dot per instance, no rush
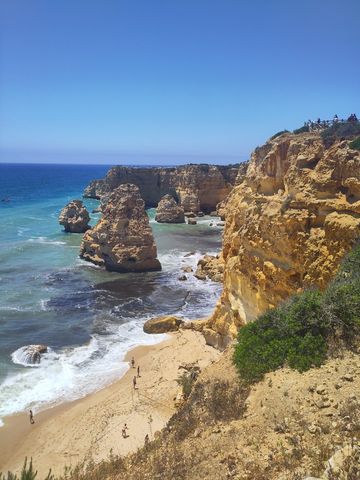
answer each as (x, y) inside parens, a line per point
(122, 240)
(196, 187)
(288, 225)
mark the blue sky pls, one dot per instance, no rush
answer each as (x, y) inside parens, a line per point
(161, 81)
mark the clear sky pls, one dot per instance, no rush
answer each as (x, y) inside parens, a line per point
(160, 81)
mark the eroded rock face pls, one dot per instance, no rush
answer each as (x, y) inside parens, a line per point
(122, 240)
(288, 225)
(168, 211)
(197, 187)
(74, 217)
(168, 323)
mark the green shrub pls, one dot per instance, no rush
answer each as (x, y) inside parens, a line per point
(290, 334)
(278, 134)
(355, 144)
(303, 129)
(303, 330)
(340, 131)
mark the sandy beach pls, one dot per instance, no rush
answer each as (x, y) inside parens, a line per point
(90, 427)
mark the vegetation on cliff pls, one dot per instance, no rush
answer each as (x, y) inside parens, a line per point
(340, 131)
(355, 144)
(302, 331)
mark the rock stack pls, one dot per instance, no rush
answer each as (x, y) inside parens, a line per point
(168, 211)
(122, 240)
(74, 217)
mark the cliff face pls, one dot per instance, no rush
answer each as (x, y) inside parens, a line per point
(122, 240)
(196, 187)
(288, 225)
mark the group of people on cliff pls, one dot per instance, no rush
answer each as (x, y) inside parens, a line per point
(321, 124)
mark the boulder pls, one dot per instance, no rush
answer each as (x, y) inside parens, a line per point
(168, 323)
(210, 267)
(190, 214)
(187, 269)
(122, 240)
(74, 217)
(168, 211)
(30, 354)
(191, 221)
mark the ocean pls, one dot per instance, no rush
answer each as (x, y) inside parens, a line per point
(89, 318)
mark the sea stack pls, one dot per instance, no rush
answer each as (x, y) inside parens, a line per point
(122, 240)
(168, 211)
(74, 217)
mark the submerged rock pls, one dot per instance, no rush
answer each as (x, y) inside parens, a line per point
(30, 354)
(168, 211)
(122, 240)
(191, 221)
(168, 323)
(74, 217)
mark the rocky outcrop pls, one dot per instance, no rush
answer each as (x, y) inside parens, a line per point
(196, 187)
(222, 206)
(210, 267)
(74, 217)
(168, 323)
(168, 211)
(288, 225)
(30, 354)
(122, 240)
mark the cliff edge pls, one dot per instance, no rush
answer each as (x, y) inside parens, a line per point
(288, 225)
(196, 187)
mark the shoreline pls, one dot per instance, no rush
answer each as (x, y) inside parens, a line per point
(90, 427)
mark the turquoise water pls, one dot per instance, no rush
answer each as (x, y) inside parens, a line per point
(88, 317)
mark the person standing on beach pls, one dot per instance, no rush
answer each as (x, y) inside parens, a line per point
(133, 362)
(138, 371)
(147, 440)
(123, 431)
(31, 415)
(134, 383)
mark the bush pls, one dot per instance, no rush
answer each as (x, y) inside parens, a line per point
(355, 144)
(303, 129)
(340, 131)
(300, 332)
(278, 134)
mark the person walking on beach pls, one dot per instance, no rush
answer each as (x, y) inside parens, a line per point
(31, 415)
(138, 371)
(133, 362)
(123, 431)
(134, 383)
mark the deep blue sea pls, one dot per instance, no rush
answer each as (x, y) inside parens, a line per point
(88, 317)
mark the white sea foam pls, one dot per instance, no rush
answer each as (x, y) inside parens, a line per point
(45, 240)
(73, 372)
(21, 231)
